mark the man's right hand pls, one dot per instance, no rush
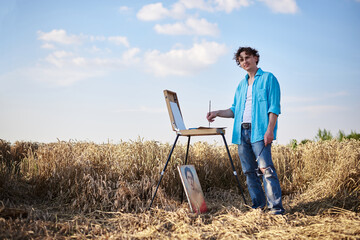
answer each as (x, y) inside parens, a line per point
(211, 116)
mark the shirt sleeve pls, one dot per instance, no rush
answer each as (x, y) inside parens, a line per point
(233, 107)
(274, 95)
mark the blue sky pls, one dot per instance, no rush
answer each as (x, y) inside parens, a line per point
(96, 70)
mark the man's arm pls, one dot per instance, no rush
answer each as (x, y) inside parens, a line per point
(269, 135)
(227, 113)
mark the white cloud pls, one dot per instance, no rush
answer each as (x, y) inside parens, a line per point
(184, 61)
(62, 59)
(59, 36)
(230, 5)
(94, 49)
(152, 12)
(48, 46)
(130, 56)
(66, 70)
(202, 27)
(119, 40)
(62, 54)
(79, 61)
(157, 11)
(124, 9)
(72, 62)
(196, 4)
(172, 29)
(97, 38)
(62, 68)
(178, 11)
(58, 58)
(282, 6)
(192, 26)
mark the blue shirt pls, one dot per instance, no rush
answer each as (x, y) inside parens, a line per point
(265, 99)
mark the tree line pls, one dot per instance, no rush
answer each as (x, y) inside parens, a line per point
(325, 135)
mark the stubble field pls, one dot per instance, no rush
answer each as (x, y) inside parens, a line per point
(79, 190)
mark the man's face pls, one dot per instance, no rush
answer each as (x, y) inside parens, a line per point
(248, 61)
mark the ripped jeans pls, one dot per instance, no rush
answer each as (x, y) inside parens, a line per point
(248, 152)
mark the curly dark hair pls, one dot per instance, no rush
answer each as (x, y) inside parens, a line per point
(248, 50)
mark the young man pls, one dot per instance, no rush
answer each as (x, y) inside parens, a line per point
(255, 111)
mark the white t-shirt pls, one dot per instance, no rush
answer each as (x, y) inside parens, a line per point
(248, 103)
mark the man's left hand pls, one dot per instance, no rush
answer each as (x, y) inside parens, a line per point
(268, 137)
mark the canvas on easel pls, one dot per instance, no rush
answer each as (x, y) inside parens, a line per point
(192, 187)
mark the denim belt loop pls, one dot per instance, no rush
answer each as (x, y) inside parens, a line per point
(246, 125)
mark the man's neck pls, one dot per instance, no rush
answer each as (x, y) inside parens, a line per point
(252, 74)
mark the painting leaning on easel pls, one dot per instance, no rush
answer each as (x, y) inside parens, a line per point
(192, 188)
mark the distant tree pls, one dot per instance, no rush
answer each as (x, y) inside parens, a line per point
(293, 143)
(323, 135)
(353, 135)
(341, 135)
(304, 141)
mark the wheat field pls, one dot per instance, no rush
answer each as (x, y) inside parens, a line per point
(83, 190)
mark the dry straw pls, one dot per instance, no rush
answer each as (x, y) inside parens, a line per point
(87, 190)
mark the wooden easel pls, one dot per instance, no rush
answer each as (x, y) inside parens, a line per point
(178, 126)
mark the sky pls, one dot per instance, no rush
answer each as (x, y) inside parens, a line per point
(95, 71)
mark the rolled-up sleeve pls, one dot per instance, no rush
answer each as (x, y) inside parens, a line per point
(236, 109)
(274, 95)
(232, 108)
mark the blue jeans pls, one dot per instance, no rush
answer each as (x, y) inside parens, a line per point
(248, 152)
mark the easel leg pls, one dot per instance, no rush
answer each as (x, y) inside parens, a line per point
(163, 171)
(186, 157)
(234, 171)
(187, 150)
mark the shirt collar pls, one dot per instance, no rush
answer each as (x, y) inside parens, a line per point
(258, 73)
